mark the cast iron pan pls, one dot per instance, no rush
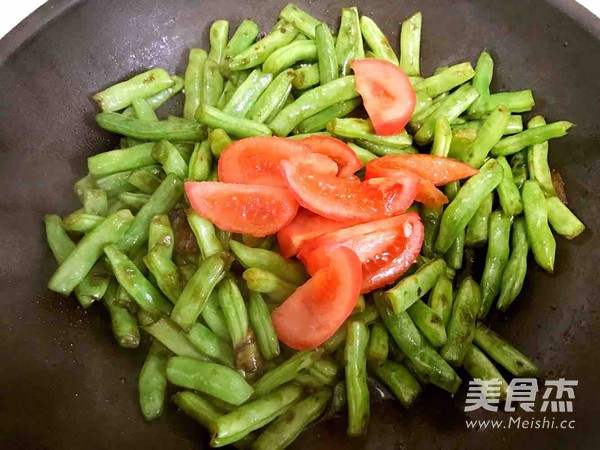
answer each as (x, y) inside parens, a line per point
(65, 384)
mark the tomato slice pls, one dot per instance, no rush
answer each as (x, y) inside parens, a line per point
(338, 151)
(437, 169)
(243, 208)
(387, 94)
(386, 248)
(348, 199)
(256, 160)
(427, 193)
(315, 311)
(306, 225)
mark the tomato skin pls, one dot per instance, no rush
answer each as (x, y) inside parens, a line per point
(256, 160)
(338, 151)
(348, 199)
(306, 225)
(316, 310)
(427, 193)
(387, 94)
(437, 169)
(243, 208)
(386, 248)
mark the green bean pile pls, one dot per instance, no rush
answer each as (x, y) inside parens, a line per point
(204, 296)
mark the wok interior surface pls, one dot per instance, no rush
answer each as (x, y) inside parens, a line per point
(64, 381)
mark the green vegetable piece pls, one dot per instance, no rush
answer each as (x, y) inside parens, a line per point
(377, 41)
(410, 45)
(441, 299)
(234, 310)
(219, 32)
(115, 161)
(212, 83)
(152, 384)
(124, 324)
(349, 45)
(429, 322)
(399, 380)
(477, 229)
(205, 234)
(516, 268)
(480, 367)
(319, 121)
(285, 372)
(171, 160)
(363, 129)
(260, 318)
(355, 358)
(219, 141)
(303, 21)
(328, 65)
(508, 192)
(539, 235)
(151, 131)
(273, 97)
(377, 351)
(200, 162)
(531, 136)
(234, 126)
(537, 161)
(562, 219)
(488, 136)
(244, 37)
(287, 56)
(265, 282)
(484, 71)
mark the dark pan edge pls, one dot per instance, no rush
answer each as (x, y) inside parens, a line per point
(580, 14)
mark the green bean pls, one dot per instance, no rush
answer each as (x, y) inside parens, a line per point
(429, 322)
(444, 81)
(260, 318)
(488, 136)
(240, 76)
(219, 31)
(516, 102)
(362, 153)
(234, 126)
(461, 139)
(383, 149)
(272, 98)
(213, 316)
(349, 45)
(462, 209)
(288, 270)
(562, 219)
(287, 56)
(539, 234)
(172, 162)
(454, 255)
(82, 222)
(234, 310)
(247, 94)
(224, 238)
(233, 426)
(204, 231)
(363, 129)
(304, 22)
(83, 184)
(319, 121)
(477, 229)
(451, 107)
(422, 378)
(413, 287)
(285, 372)
(520, 171)
(152, 131)
(426, 108)
(377, 351)
(265, 282)
(213, 175)
(283, 431)
(326, 370)
(161, 202)
(461, 328)
(430, 216)
(115, 161)
(219, 141)
(124, 324)
(306, 77)
(228, 89)
(442, 137)
(170, 335)
(312, 102)
(260, 51)
(516, 268)
(531, 136)
(95, 201)
(133, 200)
(480, 367)
(417, 349)
(161, 97)
(410, 45)
(143, 180)
(166, 275)
(143, 110)
(495, 260)
(124, 300)
(115, 184)
(212, 83)
(514, 126)
(243, 38)
(441, 299)
(80, 261)
(377, 41)
(399, 380)
(193, 82)
(195, 294)
(504, 353)
(328, 64)
(484, 71)
(213, 379)
(152, 382)
(537, 161)
(143, 85)
(211, 345)
(200, 162)
(137, 286)
(357, 391)
(368, 316)
(197, 407)
(508, 192)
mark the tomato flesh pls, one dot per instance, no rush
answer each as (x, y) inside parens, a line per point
(348, 199)
(338, 151)
(437, 169)
(386, 248)
(315, 311)
(306, 225)
(243, 208)
(387, 94)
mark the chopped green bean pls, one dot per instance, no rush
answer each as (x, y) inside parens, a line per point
(152, 131)
(531, 136)
(363, 129)
(219, 32)
(124, 324)
(377, 41)
(539, 235)
(243, 38)
(152, 383)
(349, 45)
(399, 380)
(410, 45)
(234, 126)
(328, 65)
(265, 282)
(508, 192)
(273, 97)
(355, 358)
(537, 161)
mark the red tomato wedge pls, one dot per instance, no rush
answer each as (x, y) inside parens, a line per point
(306, 225)
(437, 169)
(427, 193)
(256, 160)
(243, 208)
(386, 248)
(348, 199)
(315, 311)
(387, 94)
(338, 151)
